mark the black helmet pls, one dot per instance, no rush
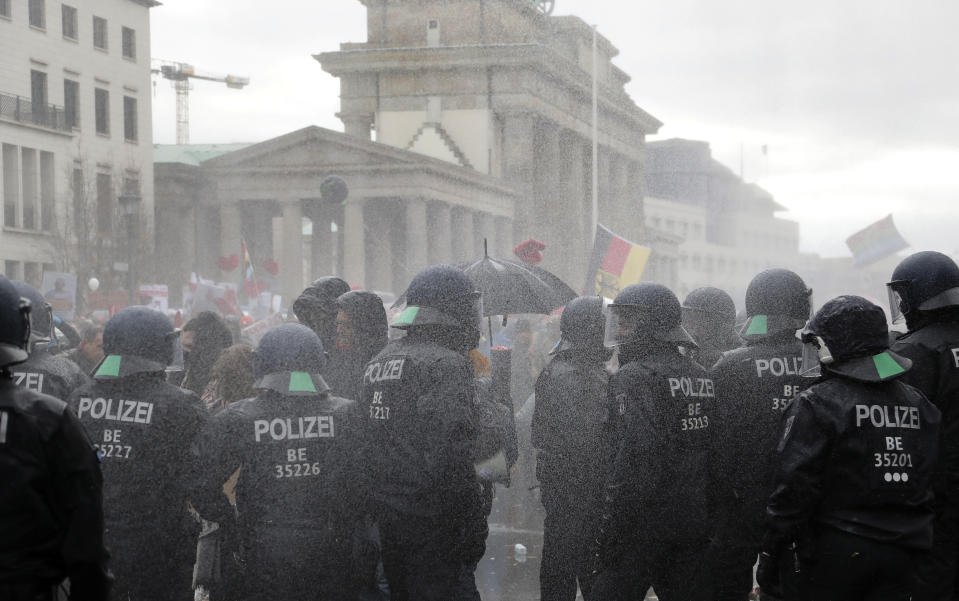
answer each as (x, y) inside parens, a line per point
(712, 301)
(848, 336)
(646, 311)
(367, 315)
(442, 295)
(41, 314)
(136, 340)
(290, 359)
(923, 281)
(318, 300)
(582, 324)
(777, 300)
(14, 324)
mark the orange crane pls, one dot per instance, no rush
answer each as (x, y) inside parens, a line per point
(181, 74)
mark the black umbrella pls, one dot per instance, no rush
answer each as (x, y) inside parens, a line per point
(510, 286)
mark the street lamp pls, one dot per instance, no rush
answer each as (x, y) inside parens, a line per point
(130, 212)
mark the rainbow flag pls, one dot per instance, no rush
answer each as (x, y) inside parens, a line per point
(615, 263)
(875, 242)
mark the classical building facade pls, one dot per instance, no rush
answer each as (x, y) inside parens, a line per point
(498, 87)
(75, 131)
(482, 119)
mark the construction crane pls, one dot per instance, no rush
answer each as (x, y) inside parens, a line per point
(181, 74)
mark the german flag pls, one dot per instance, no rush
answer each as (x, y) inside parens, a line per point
(615, 263)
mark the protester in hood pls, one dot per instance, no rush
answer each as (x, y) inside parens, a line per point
(232, 378)
(361, 333)
(205, 337)
(90, 351)
(316, 308)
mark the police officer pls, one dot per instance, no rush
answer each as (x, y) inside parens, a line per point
(709, 315)
(316, 307)
(147, 433)
(757, 383)
(656, 524)
(296, 496)
(924, 291)
(567, 429)
(418, 405)
(856, 458)
(50, 504)
(45, 372)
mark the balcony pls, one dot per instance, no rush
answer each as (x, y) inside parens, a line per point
(23, 110)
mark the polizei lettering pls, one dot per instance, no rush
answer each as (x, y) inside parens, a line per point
(29, 380)
(881, 416)
(120, 410)
(779, 366)
(691, 387)
(294, 428)
(384, 370)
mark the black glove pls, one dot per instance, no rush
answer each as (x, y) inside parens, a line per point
(767, 573)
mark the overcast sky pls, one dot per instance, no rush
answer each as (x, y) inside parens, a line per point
(857, 101)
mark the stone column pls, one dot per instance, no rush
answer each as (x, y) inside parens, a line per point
(230, 239)
(440, 243)
(463, 234)
(519, 160)
(578, 206)
(291, 261)
(354, 242)
(417, 228)
(486, 229)
(549, 217)
(504, 238)
(357, 125)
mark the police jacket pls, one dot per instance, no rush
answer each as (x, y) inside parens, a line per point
(147, 433)
(50, 503)
(857, 457)
(659, 487)
(295, 446)
(54, 375)
(756, 383)
(934, 351)
(568, 428)
(420, 425)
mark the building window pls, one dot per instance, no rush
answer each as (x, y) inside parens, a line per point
(69, 19)
(5, 8)
(71, 103)
(104, 203)
(100, 39)
(102, 101)
(38, 13)
(38, 98)
(129, 43)
(129, 119)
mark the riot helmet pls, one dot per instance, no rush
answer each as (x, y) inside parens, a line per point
(646, 312)
(316, 306)
(777, 300)
(848, 336)
(923, 281)
(582, 325)
(289, 359)
(14, 324)
(137, 340)
(444, 298)
(708, 311)
(41, 315)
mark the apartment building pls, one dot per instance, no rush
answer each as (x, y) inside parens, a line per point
(76, 145)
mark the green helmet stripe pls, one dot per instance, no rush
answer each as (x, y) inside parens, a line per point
(758, 325)
(110, 366)
(407, 316)
(886, 366)
(300, 381)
